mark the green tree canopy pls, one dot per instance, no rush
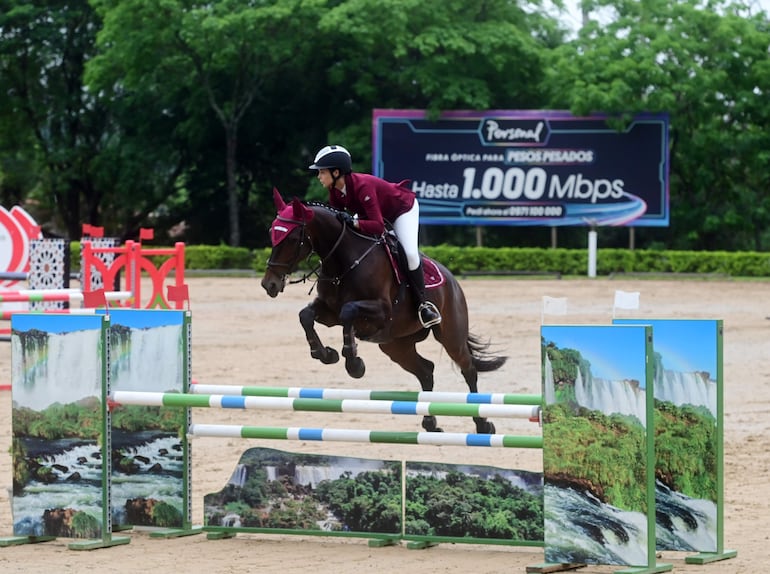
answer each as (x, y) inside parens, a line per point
(182, 115)
(211, 57)
(52, 129)
(707, 65)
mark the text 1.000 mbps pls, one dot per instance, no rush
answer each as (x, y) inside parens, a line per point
(516, 183)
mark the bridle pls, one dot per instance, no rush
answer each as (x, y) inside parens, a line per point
(295, 259)
(316, 271)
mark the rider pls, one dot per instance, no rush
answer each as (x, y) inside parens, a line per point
(375, 200)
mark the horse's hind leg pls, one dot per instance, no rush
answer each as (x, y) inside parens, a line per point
(462, 357)
(483, 426)
(354, 365)
(404, 353)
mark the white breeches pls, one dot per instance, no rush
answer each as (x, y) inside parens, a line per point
(407, 227)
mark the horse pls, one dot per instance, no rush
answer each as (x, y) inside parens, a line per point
(359, 288)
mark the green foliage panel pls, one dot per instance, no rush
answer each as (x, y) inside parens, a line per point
(273, 490)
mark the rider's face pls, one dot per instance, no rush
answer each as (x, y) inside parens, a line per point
(325, 177)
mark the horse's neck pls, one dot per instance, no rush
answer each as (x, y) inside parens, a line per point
(325, 236)
(340, 248)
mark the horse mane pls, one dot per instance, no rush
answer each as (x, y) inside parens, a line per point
(333, 210)
(323, 205)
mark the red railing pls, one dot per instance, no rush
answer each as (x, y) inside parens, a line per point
(131, 260)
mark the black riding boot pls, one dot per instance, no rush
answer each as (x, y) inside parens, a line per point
(426, 310)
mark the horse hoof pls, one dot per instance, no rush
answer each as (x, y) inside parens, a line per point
(429, 424)
(332, 356)
(355, 367)
(486, 428)
(327, 356)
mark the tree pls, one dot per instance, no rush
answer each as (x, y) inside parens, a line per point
(68, 152)
(161, 112)
(50, 124)
(430, 54)
(706, 64)
(223, 53)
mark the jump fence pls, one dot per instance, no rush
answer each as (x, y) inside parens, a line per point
(358, 394)
(46, 295)
(326, 405)
(367, 436)
(146, 335)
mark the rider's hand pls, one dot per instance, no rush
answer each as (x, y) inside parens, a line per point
(346, 219)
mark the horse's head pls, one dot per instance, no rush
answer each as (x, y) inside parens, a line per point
(291, 243)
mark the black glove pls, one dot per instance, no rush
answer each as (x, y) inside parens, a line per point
(345, 218)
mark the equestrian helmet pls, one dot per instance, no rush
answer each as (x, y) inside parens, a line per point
(333, 157)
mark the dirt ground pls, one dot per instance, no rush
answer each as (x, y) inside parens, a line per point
(240, 336)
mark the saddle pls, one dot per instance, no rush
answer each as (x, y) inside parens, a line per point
(433, 276)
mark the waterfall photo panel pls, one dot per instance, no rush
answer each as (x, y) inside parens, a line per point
(687, 389)
(63, 366)
(277, 491)
(597, 445)
(149, 351)
(58, 454)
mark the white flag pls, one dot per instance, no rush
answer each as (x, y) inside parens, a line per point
(626, 300)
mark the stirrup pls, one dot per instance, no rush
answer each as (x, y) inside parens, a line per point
(431, 308)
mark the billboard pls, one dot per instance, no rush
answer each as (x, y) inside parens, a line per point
(533, 167)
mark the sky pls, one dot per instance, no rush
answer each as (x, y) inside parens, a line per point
(685, 345)
(56, 323)
(573, 17)
(617, 353)
(132, 318)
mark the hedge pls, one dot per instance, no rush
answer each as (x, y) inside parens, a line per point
(477, 260)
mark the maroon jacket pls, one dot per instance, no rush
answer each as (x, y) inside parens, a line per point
(374, 200)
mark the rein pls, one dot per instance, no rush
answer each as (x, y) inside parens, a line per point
(337, 279)
(317, 270)
(356, 262)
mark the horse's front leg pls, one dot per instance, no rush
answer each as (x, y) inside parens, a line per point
(317, 311)
(369, 317)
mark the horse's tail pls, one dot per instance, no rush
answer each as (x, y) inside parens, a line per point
(483, 360)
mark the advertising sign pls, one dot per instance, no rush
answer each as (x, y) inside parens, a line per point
(533, 167)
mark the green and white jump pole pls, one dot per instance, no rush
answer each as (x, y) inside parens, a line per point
(326, 405)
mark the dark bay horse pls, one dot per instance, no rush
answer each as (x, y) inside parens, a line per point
(358, 288)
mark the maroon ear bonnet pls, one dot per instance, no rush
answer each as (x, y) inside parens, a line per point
(289, 217)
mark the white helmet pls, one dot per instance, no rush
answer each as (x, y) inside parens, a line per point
(333, 157)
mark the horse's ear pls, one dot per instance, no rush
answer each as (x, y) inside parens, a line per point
(301, 212)
(278, 200)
